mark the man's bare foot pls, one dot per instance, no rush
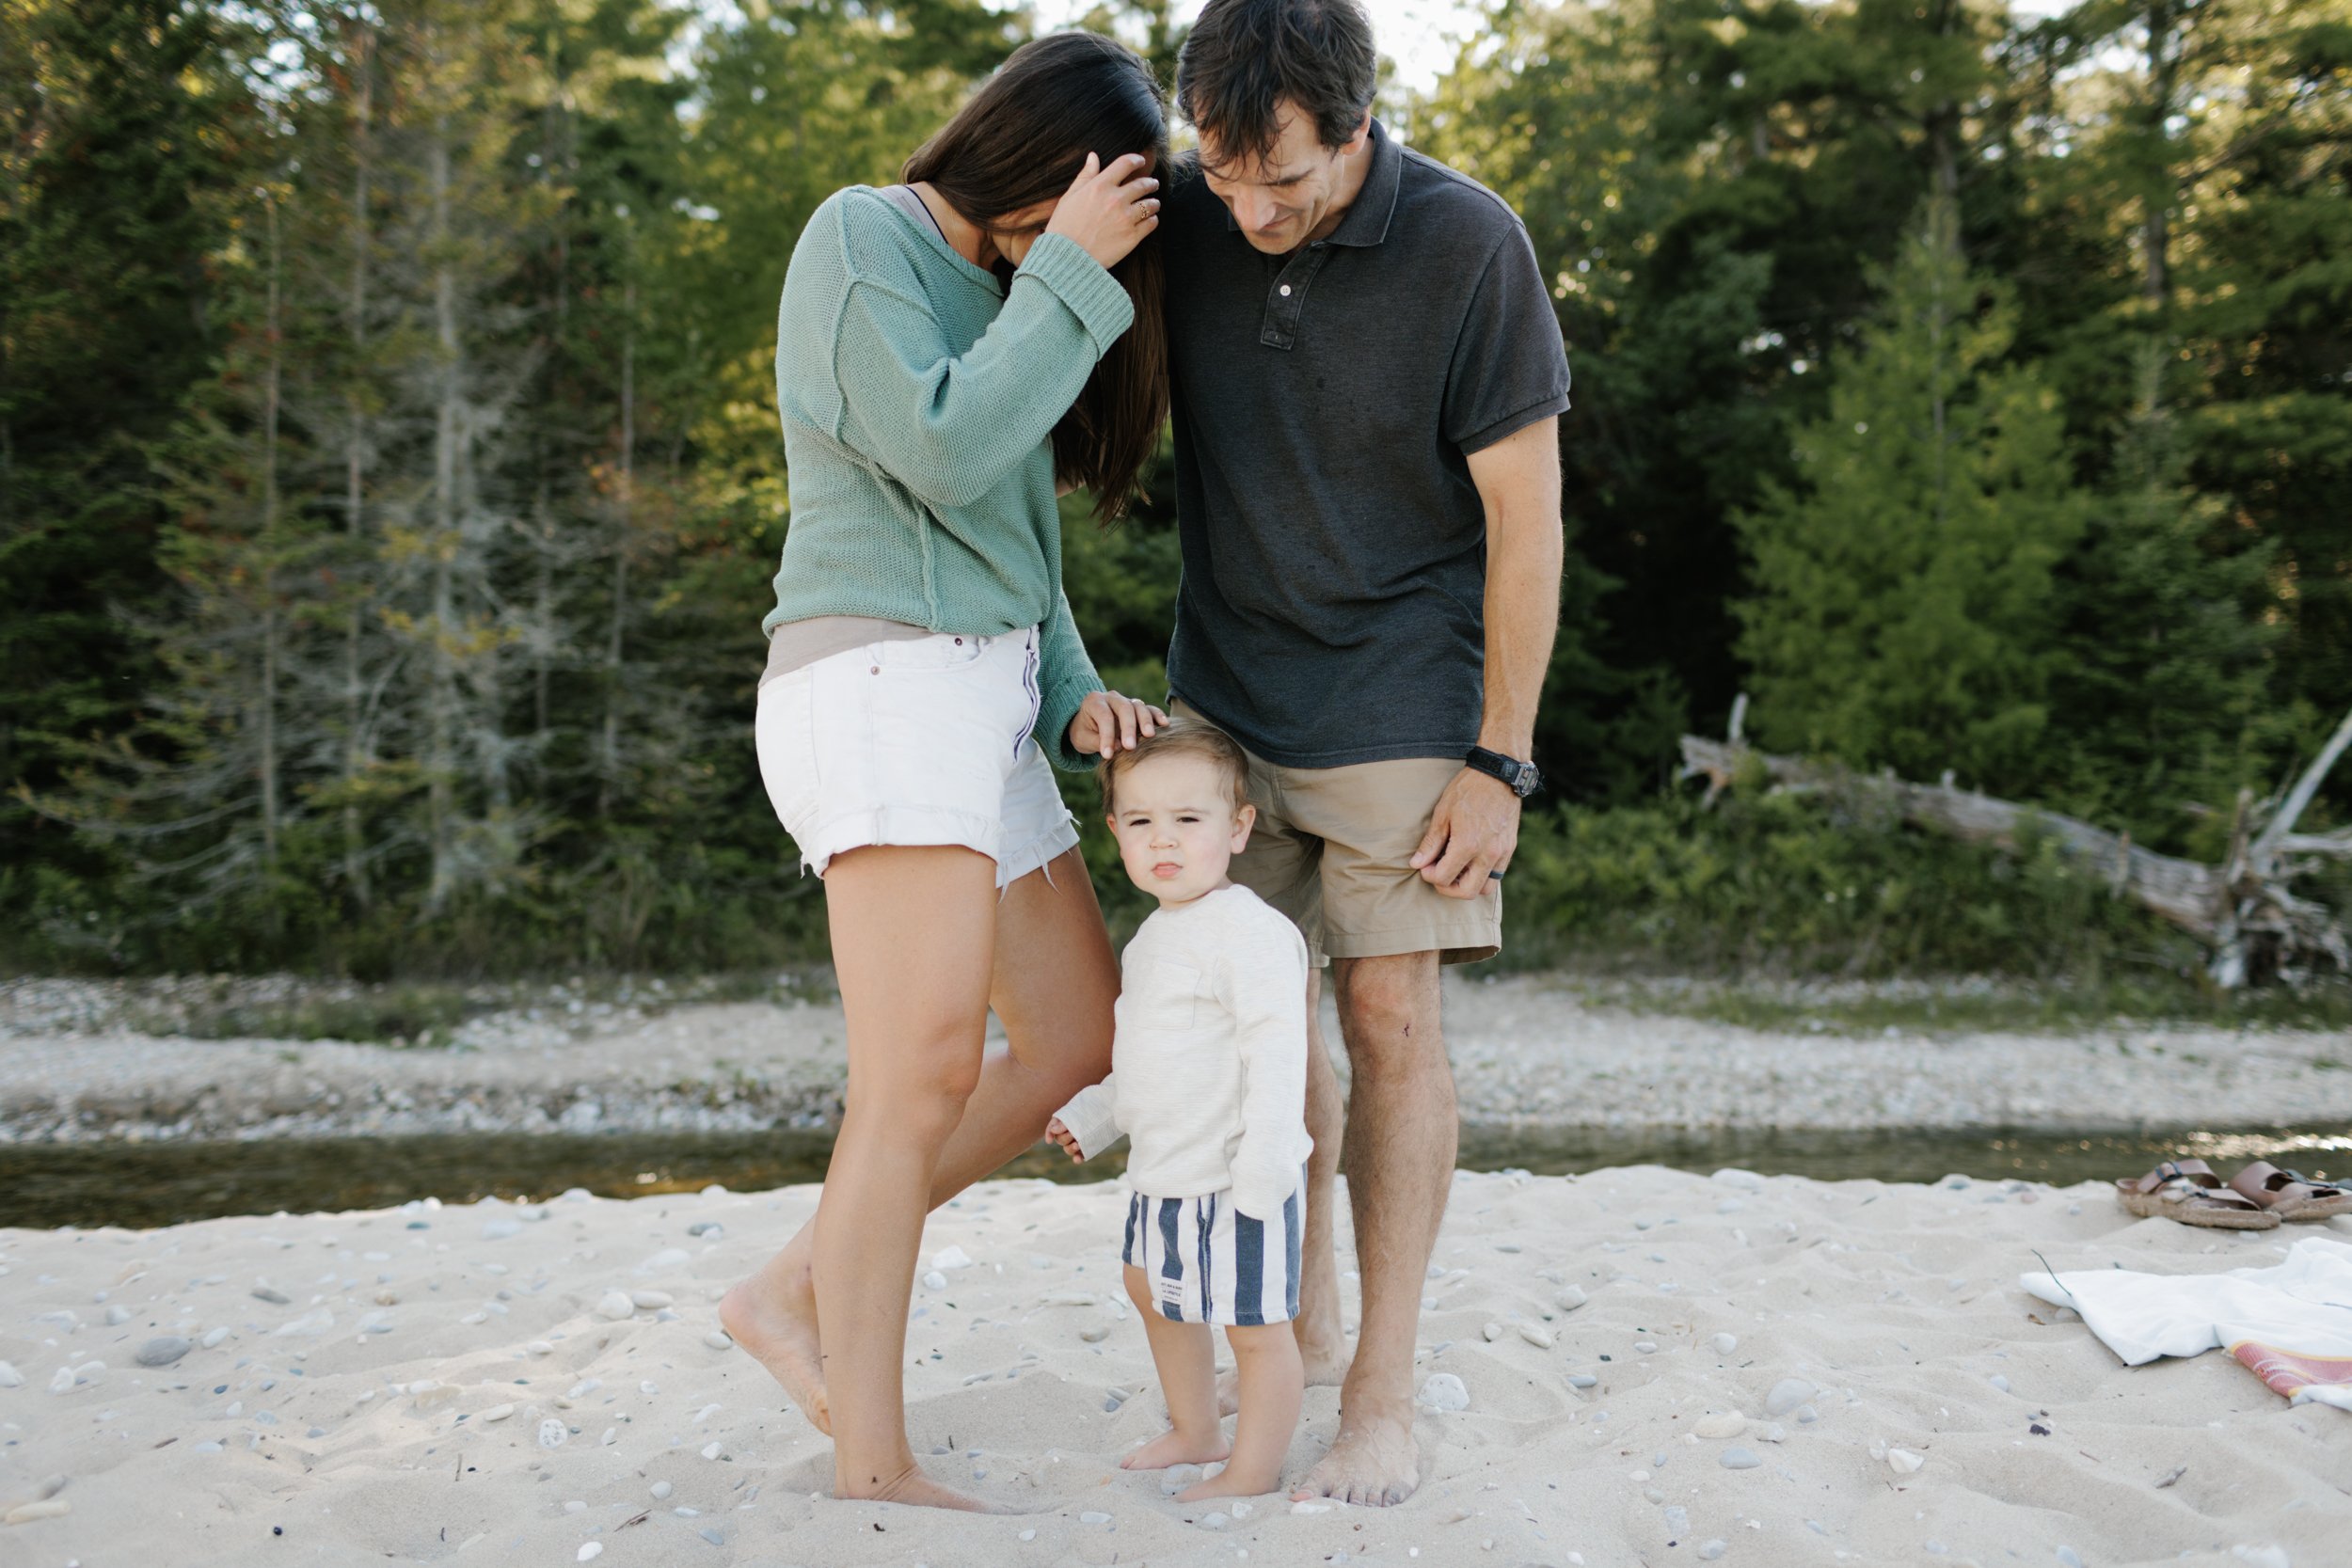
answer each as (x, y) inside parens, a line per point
(782, 1336)
(1375, 1463)
(1325, 1363)
(1225, 1484)
(914, 1488)
(1174, 1448)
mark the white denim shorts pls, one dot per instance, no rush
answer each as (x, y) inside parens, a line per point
(925, 741)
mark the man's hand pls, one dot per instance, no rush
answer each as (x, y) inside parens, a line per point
(1061, 1135)
(1108, 722)
(1473, 831)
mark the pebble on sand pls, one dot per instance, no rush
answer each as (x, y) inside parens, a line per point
(1728, 1423)
(163, 1350)
(553, 1433)
(48, 1507)
(1724, 1344)
(1444, 1391)
(1904, 1461)
(1712, 1550)
(10, 1377)
(717, 1340)
(1539, 1338)
(616, 1306)
(1789, 1393)
(1571, 1298)
(1738, 1458)
(496, 1413)
(588, 1553)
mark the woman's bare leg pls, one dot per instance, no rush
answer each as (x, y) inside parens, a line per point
(1054, 980)
(914, 943)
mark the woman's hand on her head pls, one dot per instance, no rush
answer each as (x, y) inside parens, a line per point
(1063, 1136)
(1108, 722)
(1109, 209)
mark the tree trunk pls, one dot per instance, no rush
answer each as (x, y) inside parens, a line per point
(2234, 910)
(615, 646)
(356, 758)
(2155, 199)
(442, 694)
(270, 617)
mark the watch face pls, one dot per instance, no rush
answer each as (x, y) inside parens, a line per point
(1528, 781)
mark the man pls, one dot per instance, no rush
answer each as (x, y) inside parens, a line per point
(1367, 378)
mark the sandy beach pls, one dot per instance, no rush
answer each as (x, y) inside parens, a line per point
(547, 1384)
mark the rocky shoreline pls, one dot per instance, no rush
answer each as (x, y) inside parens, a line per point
(1530, 1051)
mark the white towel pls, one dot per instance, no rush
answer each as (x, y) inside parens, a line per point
(2291, 1324)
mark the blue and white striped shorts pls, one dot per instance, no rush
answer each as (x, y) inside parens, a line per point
(1208, 1263)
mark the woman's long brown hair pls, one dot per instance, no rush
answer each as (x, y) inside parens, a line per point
(1022, 140)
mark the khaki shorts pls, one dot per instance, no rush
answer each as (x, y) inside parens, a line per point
(1333, 851)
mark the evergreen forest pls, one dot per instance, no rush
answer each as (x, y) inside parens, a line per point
(391, 484)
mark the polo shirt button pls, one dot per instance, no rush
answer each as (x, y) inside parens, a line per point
(1286, 291)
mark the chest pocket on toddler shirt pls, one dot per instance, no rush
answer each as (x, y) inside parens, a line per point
(1161, 994)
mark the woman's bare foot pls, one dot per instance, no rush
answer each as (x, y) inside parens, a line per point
(1375, 1463)
(1174, 1448)
(914, 1488)
(1225, 1484)
(781, 1335)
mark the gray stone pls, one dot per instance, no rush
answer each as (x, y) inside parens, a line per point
(1789, 1393)
(2070, 1556)
(1712, 1550)
(1738, 1458)
(163, 1350)
(1444, 1391)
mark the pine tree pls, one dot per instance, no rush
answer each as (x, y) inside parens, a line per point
(2160, 696)
(1903, 588)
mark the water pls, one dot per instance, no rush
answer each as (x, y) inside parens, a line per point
(140, 1185)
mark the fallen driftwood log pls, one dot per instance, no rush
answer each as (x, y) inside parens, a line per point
(2242, 909)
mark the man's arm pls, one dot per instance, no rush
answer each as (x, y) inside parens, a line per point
(1475, 826)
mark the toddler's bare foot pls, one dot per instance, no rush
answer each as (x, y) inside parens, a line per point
(781, 1335)
(1174, 1448)
(1226, 1483)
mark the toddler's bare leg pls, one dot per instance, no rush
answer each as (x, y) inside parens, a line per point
(1185, 1357)
(1272, 1378)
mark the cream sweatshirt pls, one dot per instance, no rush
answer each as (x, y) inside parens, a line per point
(1209, 1061)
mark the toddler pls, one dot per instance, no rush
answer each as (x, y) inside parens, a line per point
(1209, 1083)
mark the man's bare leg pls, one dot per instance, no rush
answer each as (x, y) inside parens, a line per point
(1054, 983)
(1401, 1141)
(1322, 1342)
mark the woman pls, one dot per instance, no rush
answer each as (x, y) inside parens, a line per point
(951, 352)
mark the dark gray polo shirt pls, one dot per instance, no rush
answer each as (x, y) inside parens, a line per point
(1334, 548)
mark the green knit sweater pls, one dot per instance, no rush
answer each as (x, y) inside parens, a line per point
(918, 395)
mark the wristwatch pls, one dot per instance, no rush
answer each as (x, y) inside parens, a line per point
(1522, 777)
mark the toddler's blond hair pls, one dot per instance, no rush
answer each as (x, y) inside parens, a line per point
(1178, 738)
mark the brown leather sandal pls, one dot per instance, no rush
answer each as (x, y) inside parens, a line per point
(2290, 1194)
(2189, 1192)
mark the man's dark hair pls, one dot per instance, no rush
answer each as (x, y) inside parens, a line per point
(1246, 56)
